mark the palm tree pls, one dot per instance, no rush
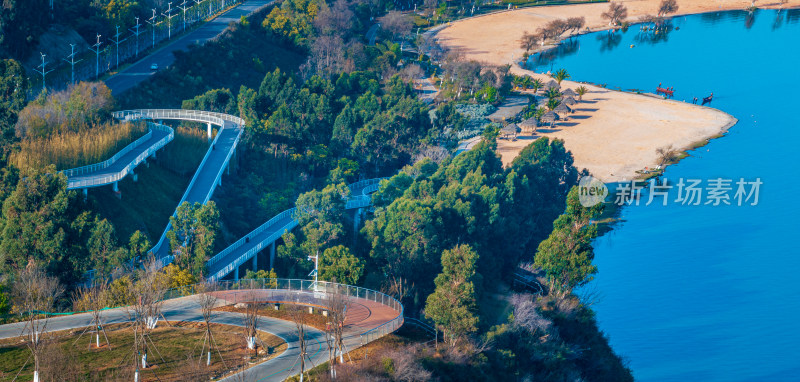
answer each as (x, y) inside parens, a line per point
(553, 103)
(536, 84)
(561, 75)
(526, 83)
(581, 91)
(552, 93)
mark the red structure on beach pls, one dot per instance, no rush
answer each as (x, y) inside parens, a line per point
(669, 92)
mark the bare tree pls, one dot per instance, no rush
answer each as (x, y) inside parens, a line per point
(148, 293)
(327, 55)
(412, 72)
(397, 23)
(58, 365)
(35, 294)
(298, 315)
(336, 19)
(93, 298)
(667, 6)
(192, 370)
(526, 315)
(406, 364)
(250, 322)
(528, 41)
(337, 302)
(576, 23)
(208, 301)
(666, 155)
(616, 13)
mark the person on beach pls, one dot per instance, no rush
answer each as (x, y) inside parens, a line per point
(708, 99)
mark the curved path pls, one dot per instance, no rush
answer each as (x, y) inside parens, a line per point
(205, 180)
(122, 163)
(209, 172)
(370, 315)
(140, 70)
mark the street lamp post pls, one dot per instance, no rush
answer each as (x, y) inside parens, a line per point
(136, 33)
(97, 57)
(43, 71)
(116, 41)
(315, 272)
(71, 62)
(153, 24)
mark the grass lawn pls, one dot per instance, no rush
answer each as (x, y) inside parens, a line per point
(175, 357)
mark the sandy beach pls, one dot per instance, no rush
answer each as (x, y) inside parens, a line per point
(613, 134)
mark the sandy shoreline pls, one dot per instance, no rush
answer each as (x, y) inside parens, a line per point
(613, 134)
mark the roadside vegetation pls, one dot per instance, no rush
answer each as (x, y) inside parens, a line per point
(325, 107)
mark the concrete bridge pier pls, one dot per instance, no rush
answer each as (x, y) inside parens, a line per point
(85, 194)
(357, 219)
(135, 176)
(236, 273)
(255, 262)
(272, 256)
(209, 131)
(115, 188)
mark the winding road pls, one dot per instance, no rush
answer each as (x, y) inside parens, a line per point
(370, 315)
(140, 70)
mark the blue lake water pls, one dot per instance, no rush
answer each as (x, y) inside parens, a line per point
(690, 293)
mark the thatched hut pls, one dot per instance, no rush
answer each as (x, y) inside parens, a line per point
(549, 118)
(562, 110)
(529, 125)
(569, 101)
(569, 93)
(552, 84)
(510, 130)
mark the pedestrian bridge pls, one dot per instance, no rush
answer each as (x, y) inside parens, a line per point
(205, 180)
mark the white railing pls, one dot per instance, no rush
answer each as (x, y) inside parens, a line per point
(156, 248)
(250, 235)
(230, 267)
(301, 292)
(108, 179)
(185, 115)
(188, 115)
(77, 171)
(372, 185)
(358, 201)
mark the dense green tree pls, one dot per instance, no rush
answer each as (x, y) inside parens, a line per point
(270, 277)
(217, 100)
(37, 227)
(138, 245)
(320, 215)
(471, 199)
(21, 24)
(339, 264)
(13, 92)
(346, 171)
(566, 255)
(194, 228)
(453, 304)
(102, 246)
